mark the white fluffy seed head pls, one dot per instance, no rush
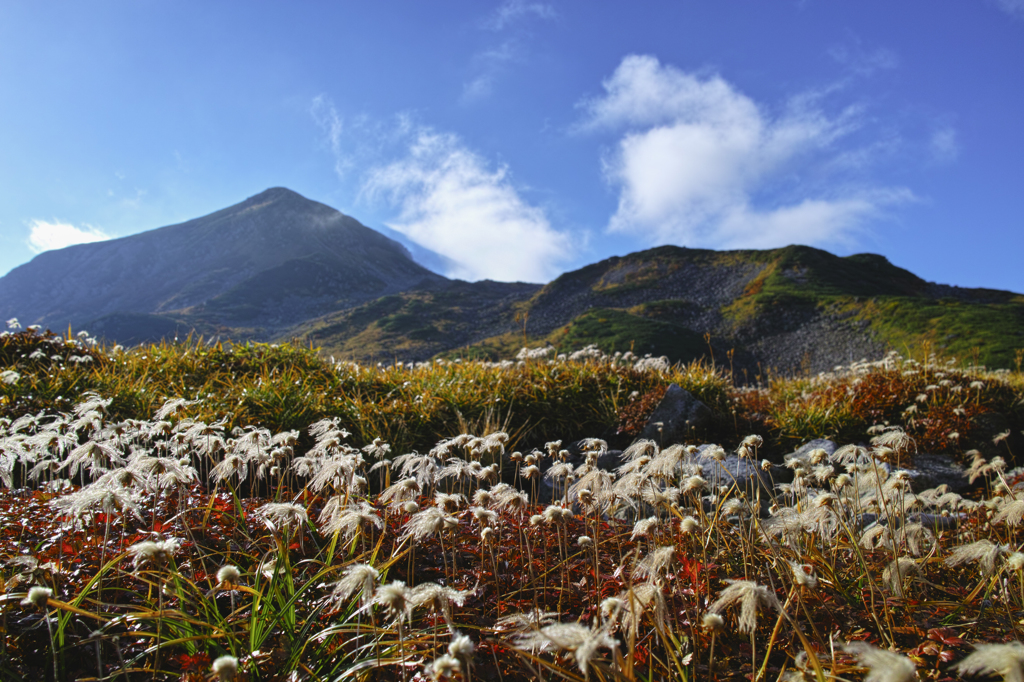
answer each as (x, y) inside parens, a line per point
(37, 597)
(694, 483)
(611, 605)
(713, 622)
(394, 596)
(553, 513)
(228, 574)
(444, 667)
(461, 646)
(753, 441)
(225, 668)
(716, 453)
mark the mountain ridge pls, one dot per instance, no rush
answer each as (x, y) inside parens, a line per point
(280, 267)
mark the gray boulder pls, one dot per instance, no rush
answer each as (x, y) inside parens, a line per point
(676, 417)
(825, 444)
(930, 471)
(989, 425)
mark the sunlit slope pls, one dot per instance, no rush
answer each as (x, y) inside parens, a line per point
(792, 308)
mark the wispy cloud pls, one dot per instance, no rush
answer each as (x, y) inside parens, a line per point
(944, 145)
(451, 201)
(864, 61)
(510, 19)
(487, 66)
(1015, 8)
(700, 163)
(326, 117)
(514, 11)
(46, 236)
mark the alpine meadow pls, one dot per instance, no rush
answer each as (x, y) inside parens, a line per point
(512, 341)
(179, 510)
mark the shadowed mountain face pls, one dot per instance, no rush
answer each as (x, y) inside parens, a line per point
(268, 262)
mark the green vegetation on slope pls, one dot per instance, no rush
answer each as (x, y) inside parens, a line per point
(283, 387)
(985, 333)
(637, 296)
(614, 330)
(893, 301)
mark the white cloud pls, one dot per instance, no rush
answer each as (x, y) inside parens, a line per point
(480, 87)
(451, 202)
(696, 159)
(46, 236)
(944, 146)
(804, 223)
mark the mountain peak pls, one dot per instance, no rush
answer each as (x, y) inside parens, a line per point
(256, 254)
(273, 194)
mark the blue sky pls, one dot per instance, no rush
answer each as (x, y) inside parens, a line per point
(522, 139)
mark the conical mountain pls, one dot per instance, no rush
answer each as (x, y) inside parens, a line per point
(267, 262)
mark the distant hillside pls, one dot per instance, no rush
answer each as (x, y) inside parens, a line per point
(791, 309)
(419, 324)
(280, 267)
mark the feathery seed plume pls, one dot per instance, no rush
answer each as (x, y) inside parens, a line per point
(985, 552)
(581, 641)
(751, 597)
(643, 527)
(358, 579)
(1002, 659)
(883, 666)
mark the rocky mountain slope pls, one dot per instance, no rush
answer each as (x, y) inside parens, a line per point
(791, 309)
(280, 267)
(263, 265)
(795, 308)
